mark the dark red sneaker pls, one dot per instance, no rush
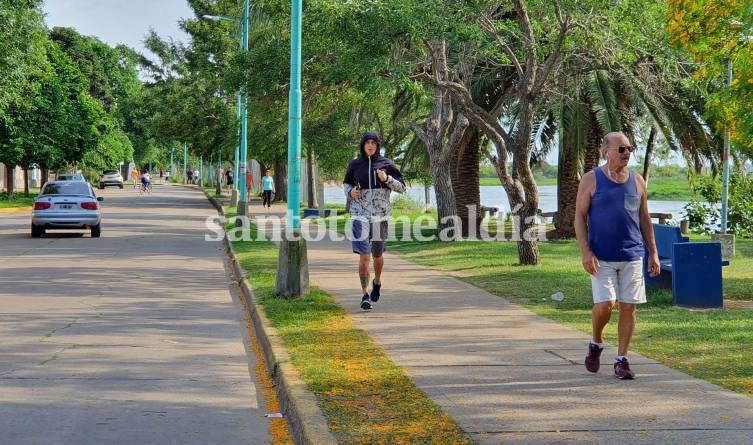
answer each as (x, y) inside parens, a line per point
(622, 370)
(592, 358)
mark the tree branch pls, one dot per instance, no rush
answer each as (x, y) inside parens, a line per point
(565, 26)
(487, 24)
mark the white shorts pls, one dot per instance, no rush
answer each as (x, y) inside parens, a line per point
(619, 280)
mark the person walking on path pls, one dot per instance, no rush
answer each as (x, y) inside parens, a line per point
(612, 224)
(369, 180)
(135, 177)
(267, 187)
(229, 181)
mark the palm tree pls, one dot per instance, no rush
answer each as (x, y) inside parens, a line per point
(602, 101)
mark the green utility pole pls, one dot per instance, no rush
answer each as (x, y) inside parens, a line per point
(241, 164)
(292, 264)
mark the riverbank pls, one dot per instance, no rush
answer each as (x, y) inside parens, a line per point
(659, 188)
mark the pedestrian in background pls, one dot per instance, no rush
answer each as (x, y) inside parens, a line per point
(267, 187)
(229, 180)
(612, 224)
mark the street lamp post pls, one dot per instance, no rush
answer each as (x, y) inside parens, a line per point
(725, 160)
(236, 185)
(294, 117)
(292, 265)
(242, 209)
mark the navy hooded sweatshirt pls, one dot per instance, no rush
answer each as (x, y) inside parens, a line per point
(362, 173)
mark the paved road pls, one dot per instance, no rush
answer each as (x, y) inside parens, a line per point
(132, 338)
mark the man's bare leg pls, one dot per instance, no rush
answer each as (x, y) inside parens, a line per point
(625, 327)
(363, 271)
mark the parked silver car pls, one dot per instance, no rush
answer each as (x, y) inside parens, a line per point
(66, 205)
(110, 177)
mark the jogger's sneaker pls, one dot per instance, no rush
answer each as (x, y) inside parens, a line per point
(375, 288)
(592, 358)
(622, 370)
(365, 302)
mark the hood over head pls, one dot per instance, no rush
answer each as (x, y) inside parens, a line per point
(374, 137)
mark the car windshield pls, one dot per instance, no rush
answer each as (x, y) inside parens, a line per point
(66, 188)
(109, 172)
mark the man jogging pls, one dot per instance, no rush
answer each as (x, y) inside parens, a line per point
(369, 180)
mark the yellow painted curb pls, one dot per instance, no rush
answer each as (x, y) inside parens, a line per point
(14, 209)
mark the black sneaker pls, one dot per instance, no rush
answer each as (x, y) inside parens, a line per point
(592, 358)
(365, 302)
(375, 291)
(622, 370)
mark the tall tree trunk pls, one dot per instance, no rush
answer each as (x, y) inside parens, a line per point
(26, 181)
(465, 179)
(527, 203)
(568, 179)
(440, 134)
(311, 199)
(45, 174)
(650, 145)
(592, 151)
(10, 179)
(281, 181)
(569, 174)
(427, 197)
(445, 198)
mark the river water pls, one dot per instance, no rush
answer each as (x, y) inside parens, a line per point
(495, 196)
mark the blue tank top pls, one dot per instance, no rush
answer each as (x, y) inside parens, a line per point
(614, 232)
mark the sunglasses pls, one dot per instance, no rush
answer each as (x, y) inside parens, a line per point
(622, 148)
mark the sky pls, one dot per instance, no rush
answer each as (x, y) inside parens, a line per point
(119, 21)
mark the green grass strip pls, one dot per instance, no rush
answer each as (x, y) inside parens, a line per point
(365, 397)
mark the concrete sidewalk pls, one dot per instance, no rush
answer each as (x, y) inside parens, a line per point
(507, 375)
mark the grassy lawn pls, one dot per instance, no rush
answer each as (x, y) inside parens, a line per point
(351, 376)
(670, 189)
(19, 200)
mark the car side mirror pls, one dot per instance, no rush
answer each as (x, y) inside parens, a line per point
(100, 198)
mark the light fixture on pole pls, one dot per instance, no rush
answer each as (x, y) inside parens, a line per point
(242, 208)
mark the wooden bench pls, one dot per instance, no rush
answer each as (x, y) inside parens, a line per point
(662, 217)
(692, 270)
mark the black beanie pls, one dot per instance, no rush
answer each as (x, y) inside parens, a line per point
(374, 137)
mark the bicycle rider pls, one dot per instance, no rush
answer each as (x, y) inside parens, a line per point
(146, 180)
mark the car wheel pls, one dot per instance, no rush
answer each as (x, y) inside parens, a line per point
(101, 186)
(96, 230)
(36, 231)
(121, 186)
